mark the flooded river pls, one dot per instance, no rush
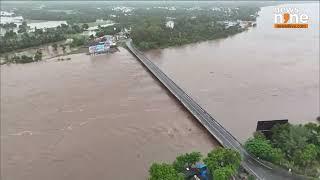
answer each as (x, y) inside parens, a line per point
(261, 74)
(105, 117)
(101, 117)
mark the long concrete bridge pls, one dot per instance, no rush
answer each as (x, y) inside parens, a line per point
(224, 137)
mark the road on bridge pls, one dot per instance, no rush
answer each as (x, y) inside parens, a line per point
(225, 138)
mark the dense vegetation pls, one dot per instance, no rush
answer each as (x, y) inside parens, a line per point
(8, 25)
(296, 147)
(85, 12)
(192, 22)
(109, 30)
(152, 33)
(150, 30)
(13, 41)
(222, 164)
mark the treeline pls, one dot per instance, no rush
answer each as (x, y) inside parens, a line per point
(222, 164)
(84, 12)
(149, 28)
(296, 147)
(153, 32)
(13, 41)
(8, 25)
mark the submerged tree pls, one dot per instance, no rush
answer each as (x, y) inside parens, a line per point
(38, 55)
(55, 46)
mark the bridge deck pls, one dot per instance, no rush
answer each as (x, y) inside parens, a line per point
(224, 137)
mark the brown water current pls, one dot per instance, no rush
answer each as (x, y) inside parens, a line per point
(261, 74)
(101, 117)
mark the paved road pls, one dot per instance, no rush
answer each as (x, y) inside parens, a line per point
(251, 164)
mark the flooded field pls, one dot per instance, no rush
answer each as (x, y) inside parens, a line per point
(261, 74)
(101, 117)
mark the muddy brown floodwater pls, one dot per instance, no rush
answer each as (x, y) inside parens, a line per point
(261, 74)
(101, 117)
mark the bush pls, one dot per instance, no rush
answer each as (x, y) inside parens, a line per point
(262, 148)
(24, 59)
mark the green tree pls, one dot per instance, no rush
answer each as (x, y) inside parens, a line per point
(290, 138)
(63, 47)
(38, 55)
(55, 46)
(10, 35)
(163, 172)
(186, 160)
(223, 161)
(23, 27)
(314, 133)
(294, 146)
(78, 41)
(85, 26)
(223, 173)
(76, 29)
(262, 148)
(21, 59)
(306, 156)
(38, 32)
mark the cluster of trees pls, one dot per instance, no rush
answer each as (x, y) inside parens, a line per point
(24, 58)
(109, 30)
(81, 15)
(296, 147)
(79, 41)
(8, 25)
(23, 27)
(153, 33)
(222, 165)
(85, 12)
(13, 41)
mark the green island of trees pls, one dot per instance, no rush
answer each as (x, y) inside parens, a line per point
(295, 147)
(222, 164)
(153, 33)
(152, 30)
